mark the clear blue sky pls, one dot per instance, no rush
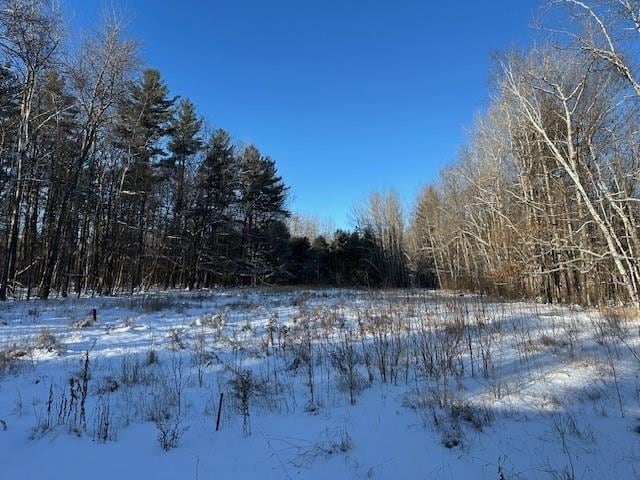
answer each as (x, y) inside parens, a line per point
(347, 96)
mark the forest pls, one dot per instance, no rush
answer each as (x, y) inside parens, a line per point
(109, 182)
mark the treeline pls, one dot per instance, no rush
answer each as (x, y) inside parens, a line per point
(544, 200)
(108, 183)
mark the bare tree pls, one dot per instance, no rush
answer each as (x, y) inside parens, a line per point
(99, 75)
(30, 37)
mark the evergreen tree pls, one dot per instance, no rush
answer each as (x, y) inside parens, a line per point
(321, 261)
(144, 120)
(302, 261)
(261, 201)
(184, 142)
(211, 223)
(276, 253)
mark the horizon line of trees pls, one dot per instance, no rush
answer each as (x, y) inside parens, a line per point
(109, 184)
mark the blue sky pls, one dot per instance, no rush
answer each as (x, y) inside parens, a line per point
(347, 96)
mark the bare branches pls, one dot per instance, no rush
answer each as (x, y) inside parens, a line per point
(544, 200)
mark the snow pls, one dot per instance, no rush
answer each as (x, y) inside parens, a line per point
(554, 392)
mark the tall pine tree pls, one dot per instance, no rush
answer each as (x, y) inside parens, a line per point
(144, 120)
(261, 202)
(212, 226)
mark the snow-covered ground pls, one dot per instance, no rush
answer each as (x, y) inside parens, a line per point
(317, 384)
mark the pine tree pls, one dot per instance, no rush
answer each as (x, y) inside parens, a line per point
(184, 142)
(261, 201)
(212, 219)
(144, 119)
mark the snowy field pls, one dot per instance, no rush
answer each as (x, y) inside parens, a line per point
(317, 384)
